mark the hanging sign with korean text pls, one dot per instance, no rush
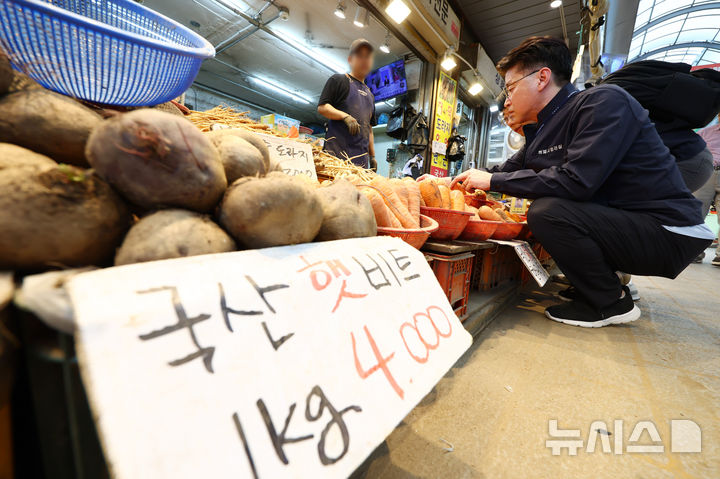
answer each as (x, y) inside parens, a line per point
(443, 121)
(285, 362)
(294, 157)
(441, 13)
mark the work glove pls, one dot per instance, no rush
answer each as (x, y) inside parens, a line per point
(352, 125)
(373, 164)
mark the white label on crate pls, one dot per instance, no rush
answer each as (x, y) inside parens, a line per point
(284, 362)
(294, 157)
(529, 259)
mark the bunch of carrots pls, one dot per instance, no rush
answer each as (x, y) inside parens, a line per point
(396, 202)
(437, 194)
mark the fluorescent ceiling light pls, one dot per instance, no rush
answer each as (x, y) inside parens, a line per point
(385, 47)
(448, 63)
(494, 108)
(555, 3)
(397, 10)
(312, 52)
(340, 11)
(279, 89)
(361, 17)
(475, 88)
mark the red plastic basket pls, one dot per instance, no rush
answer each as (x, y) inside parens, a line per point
(507, 231)
(414, 237)
(451, 222)
(525, 233)
(454, 274)
(479, 230)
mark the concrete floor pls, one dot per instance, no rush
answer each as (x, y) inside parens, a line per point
(493, 407)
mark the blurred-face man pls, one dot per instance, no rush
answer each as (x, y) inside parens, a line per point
(601, 180)
(349, 105)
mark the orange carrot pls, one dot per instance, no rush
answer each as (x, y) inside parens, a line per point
(414, 198)
(504, 215)
(401, 189)
(457, 200)
(383, 215)
(445, 195)
(487, 213)
(393, 202)
(430, 193)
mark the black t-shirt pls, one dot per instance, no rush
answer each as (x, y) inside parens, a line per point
(336, 91)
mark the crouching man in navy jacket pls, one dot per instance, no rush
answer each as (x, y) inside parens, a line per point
(608, 194)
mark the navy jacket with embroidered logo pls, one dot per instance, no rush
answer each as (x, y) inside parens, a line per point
(599, 145)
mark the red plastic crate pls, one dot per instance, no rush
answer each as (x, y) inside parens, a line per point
(496, 266)
(454, 274)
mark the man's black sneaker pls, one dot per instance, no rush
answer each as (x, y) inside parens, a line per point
(632, 289)
(579, 313)
(572, 294)
(568, 294)
(716, 260)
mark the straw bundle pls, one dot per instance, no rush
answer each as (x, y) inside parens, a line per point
(224, 115)
(331, 167)
(326, 165)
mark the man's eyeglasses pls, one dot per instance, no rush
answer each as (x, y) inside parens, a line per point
(506, 90)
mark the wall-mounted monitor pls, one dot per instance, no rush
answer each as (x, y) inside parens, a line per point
(388, 81)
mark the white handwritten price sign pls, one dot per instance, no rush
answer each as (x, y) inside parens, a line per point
(285, 362)
(294, 157)
(529, 259)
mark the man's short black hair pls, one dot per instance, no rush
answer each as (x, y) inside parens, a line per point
(539, 52)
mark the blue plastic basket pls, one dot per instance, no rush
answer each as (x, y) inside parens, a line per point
(113, 52)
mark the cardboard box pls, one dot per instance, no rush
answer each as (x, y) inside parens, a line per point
(282, 124)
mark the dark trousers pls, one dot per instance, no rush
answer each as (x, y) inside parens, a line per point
(590, 242)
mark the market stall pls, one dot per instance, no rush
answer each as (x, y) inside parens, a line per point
(115, 193)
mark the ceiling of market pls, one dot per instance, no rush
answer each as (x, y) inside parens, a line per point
(685, 31)
(501, 25)
(269, 56)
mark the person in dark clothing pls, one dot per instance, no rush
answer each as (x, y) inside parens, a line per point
(608, 194)
(678, 100)
(349, 105)
(694, 160)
